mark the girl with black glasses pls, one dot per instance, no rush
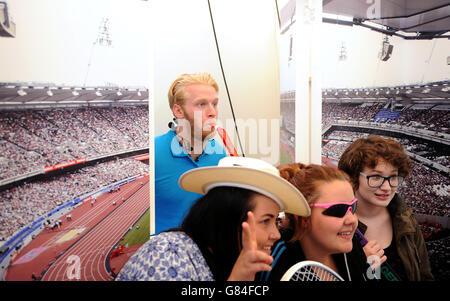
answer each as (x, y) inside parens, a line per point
(377, 166)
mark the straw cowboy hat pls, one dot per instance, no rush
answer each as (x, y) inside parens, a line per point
(248, 173)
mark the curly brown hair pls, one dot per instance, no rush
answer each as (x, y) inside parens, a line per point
(308, 179)
(366, 152)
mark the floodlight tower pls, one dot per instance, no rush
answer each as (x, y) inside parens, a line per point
(386, 49)
(343, 53)
(103, 39)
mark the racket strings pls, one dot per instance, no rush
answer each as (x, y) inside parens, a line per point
(310, 273)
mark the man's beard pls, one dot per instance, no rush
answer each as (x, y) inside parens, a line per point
(194, 132)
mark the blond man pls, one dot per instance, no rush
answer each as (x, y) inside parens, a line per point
(188, 144)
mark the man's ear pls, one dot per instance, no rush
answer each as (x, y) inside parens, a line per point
(177, 111)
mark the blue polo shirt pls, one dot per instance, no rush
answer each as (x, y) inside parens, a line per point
(171, 202)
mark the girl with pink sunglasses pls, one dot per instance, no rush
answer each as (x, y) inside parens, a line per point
(326, 236)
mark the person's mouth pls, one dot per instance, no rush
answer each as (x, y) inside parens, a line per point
(382, 196)
(267, 249)
(347, 235)
(209, 125)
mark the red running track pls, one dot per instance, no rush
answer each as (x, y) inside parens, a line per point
(93, 249)
(52, 246)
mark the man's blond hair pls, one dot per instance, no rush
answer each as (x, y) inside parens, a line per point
(177, 93)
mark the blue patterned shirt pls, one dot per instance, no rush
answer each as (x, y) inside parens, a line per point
(168, 256)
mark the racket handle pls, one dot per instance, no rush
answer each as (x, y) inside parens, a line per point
(361, 237)
(386, 269)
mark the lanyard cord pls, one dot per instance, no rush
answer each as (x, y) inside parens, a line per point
(224, 79)
(278, 13)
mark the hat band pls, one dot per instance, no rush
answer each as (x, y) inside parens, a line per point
(249, 187)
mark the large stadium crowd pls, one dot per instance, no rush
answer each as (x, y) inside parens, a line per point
(357, 112)
(438, 253)
(332, 112)
(33, 139)
(427, 191)
(21, 205)
(431, 119)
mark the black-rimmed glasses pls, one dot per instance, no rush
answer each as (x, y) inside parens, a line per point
(376, 181)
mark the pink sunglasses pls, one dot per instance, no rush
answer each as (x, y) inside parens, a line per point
(337, 209)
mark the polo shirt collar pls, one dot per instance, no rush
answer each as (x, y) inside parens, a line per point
(178, 151)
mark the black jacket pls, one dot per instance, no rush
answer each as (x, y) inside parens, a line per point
(408, 240)
(351, 266)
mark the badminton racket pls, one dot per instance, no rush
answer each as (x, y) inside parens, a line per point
(309, 270)
(386, 270)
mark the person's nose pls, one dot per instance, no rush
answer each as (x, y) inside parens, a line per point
(385, 185)
(350, 218)
(274, 234)
(211, 110)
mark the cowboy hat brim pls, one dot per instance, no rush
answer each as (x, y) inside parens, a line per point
(288, 197)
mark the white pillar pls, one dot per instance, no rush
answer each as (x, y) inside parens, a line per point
(308, 99)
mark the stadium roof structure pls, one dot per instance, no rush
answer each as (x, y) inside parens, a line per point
(7, 26)
(436, 92)
(412, 19)
(23, 95)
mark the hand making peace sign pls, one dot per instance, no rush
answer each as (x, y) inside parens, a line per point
(250, 260)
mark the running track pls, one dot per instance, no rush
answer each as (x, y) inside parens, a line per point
(104, 224)
(95, 246)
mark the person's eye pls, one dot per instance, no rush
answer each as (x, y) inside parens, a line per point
(266, 221)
